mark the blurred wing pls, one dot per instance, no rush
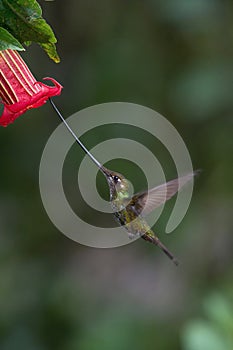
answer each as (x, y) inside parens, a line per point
(147, 201)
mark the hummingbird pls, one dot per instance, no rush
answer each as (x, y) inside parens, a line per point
(130, 211)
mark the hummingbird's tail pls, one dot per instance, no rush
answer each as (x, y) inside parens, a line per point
(154, 240)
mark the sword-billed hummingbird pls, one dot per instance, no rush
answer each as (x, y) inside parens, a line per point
(129, 211)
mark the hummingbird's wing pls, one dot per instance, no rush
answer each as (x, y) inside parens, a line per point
(147, 201)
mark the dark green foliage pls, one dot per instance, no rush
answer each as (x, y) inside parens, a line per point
(23, 24)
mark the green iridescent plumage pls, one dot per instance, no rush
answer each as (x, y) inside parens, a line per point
(130, 211)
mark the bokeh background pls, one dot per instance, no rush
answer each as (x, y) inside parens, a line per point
(175, 57)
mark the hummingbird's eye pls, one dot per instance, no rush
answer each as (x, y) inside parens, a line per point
(116, 179)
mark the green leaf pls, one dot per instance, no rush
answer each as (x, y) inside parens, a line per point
(23, 20)
(7, 41)
(50, 49)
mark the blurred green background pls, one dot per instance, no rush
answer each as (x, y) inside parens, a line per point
(175, 57)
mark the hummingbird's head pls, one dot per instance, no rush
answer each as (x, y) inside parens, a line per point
(118, 184)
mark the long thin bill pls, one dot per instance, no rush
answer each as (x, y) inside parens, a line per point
(74, 135)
